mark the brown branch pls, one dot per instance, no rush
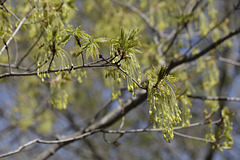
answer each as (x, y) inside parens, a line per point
(13, 74)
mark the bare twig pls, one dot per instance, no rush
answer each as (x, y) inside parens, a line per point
(96, 116)
(30, 49)
(140, 86)
(9, 61)
(180, 28)
(16, 51)
(15, 32)
(203, 52)
(14, 66)
(48, 142)
(230, 61)
(214, 27)
(192, 137)
(157, 34)
(14, 15)
(214, 98)
(142, 15)
(121, 132)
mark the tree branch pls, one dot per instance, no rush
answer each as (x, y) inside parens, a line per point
(30, 49)
(214, 27)
(135, 81)
(9, 60)
(13, 74)
(230, 61)
(104, 122)
(203, 52)
(15, 32)
(214, 98)
(74, 137)
(141, 15)
(192, 137)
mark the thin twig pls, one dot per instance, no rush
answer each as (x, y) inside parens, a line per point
(48, 142)
(14, 15)
(230, 61)
(15, 32)
(30, 49)
(180, 28)
(55, 70)
(16, 50)
(214, 27)
(192, 137)
(96, 116)
(140, 86)
(9, 61)
(214, 98)
(14, 66)
(186, 59)
(142, 15)
(121, 132)
(123, 115)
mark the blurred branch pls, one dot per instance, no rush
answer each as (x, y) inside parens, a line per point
(83, 135)
(157, 36)
(192, 137)
(97, 114)
(9, 60)
(214, 27)
(48, 142)
(14, 66)
(15, 32)
(214, 98)
(229, 61)
(7, 10)
(212, 46)
(141, 15)
(179, 29)
(30, 49)
(104, 122)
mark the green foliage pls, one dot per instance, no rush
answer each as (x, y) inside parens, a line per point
(163, 110)
(123, 51)
(28, 112)
(59, 96)
(225, 130)
(186, 111)
(210, 80)
(90, 44)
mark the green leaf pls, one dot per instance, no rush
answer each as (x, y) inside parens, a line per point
(101, 40)
(134, 50)
(82, 34)
(65, 40)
